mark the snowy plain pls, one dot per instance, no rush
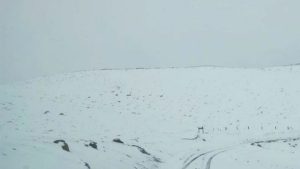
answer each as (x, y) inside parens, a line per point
(175, 118)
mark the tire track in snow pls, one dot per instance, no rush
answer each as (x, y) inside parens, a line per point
(211, 158)
(222, 150)
(195, 158)
(186, 165)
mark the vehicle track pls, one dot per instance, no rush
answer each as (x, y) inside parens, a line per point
(195, 158)
(222, 150)
(211, 158)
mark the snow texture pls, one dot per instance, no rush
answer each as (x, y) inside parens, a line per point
(176, 118)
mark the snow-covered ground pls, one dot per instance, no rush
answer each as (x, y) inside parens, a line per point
(184, 118)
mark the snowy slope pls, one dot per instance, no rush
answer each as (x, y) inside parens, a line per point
(192, 118)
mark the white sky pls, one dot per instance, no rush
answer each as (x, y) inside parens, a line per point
(43, 37)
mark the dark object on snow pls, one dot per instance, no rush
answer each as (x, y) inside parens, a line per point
(158, 160)
(141, 150)
(201, 129)
(87, 165)
(93, 145)
(59, 141)
(198, 134)
(117, 140)
(64, 146)
(46, 112)
(256, 144)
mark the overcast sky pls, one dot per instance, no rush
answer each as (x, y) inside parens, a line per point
(44, 37)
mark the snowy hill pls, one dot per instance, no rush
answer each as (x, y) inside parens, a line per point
(192, 118)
